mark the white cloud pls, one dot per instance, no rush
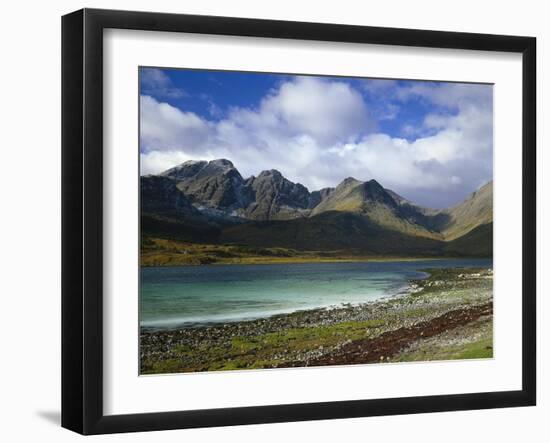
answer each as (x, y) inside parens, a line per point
(317, 132)
(166, 128)
(155, 81)
(329, 111)
(450, 95)
(156, 161)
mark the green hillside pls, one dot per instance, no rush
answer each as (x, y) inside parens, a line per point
(476, 210)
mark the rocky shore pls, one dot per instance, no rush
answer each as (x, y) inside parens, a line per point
(445, 316)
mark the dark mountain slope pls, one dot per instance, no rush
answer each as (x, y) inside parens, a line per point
(330, 231)
(476, 243)
(159, 195)
(188, 230)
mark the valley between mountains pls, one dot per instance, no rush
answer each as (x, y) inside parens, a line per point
(205, 212)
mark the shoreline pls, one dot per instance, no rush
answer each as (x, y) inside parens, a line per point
(284, 261)
(346, 334)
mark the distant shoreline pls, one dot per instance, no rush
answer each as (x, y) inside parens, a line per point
(320, 260)
(314, 260)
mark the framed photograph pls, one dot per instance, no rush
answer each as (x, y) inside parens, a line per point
(269, 221)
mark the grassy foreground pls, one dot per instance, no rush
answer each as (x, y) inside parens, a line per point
(165, 252)
(446, 316)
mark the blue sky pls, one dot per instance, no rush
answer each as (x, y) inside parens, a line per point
(429, 141)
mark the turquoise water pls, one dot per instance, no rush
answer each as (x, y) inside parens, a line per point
(191, 295)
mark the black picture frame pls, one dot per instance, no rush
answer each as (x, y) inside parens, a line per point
(82, 218)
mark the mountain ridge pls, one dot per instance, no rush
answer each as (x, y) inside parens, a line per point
(364, 213)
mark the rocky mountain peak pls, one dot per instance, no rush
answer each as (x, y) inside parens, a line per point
(213, 184)
(276, 197)
(221, 168)
(374, 184)
(271, 173)
(487, 188)
(348, 181)
(374, 191)
(187, 169)
(192, 168)
(221, 163)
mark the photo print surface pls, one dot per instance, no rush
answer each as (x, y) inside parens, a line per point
(302, 220)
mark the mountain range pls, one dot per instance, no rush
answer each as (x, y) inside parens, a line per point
(210, 202)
